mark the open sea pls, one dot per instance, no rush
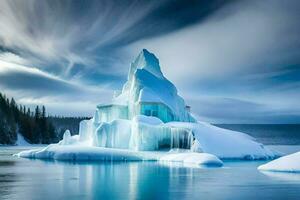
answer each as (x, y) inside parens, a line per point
(42, 180)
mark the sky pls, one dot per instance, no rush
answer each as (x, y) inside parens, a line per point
(232, 61)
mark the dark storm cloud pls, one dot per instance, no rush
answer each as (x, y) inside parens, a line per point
(168, 17)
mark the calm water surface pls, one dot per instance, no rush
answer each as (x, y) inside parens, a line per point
(35, 179)
(272, 134)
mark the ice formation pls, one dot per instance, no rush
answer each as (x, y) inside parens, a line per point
(289, 163)
(21, 141)
(149, 116)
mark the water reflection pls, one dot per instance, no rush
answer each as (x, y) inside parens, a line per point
(36, 179)
(283, 176)
(134, 180)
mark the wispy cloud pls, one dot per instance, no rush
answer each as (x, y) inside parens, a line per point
(242, 55)
(63, 32)
(239, 38)
(33, 86)
(248, 51)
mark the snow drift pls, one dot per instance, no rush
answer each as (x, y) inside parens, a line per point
(289, 163)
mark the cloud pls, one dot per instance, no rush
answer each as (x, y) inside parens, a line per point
(248, 51)
(13, 58)
(242, 55)
(61, 34)
(32, 86)
(66, 32)
(240, 38)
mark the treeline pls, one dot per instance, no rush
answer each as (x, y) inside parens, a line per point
(35, 127)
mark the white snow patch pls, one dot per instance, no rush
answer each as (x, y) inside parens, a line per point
(289, 163)
(88, 153)
(147, 120)
(197, 159)
(225, 144)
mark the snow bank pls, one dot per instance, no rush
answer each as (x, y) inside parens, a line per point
(289, 163)
(87, 153)
(225, 144)
(197, 159)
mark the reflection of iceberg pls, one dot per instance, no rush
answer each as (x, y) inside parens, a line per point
(146, 116)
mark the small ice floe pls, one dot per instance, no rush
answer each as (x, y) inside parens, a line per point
(289, 163)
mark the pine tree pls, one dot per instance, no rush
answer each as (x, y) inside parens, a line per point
(28, 112)
(37, 114)
(43, 127)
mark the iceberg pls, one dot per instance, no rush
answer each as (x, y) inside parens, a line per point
(148, 120)
(288, 163)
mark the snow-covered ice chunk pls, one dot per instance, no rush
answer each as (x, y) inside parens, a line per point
(115, 134)
(68, 139)
(87, 153)
(85, 130)
(289, 163)
(21, 141)
(203, 159)
(225, 144)
(147, 120)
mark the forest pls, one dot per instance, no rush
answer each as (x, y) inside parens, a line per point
(35, 125)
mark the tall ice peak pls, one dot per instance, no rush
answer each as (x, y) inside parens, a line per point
(147, 61)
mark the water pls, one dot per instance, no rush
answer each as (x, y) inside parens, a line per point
(273, 134)
(35, 179)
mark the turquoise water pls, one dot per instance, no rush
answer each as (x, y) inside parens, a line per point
(35, 179)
